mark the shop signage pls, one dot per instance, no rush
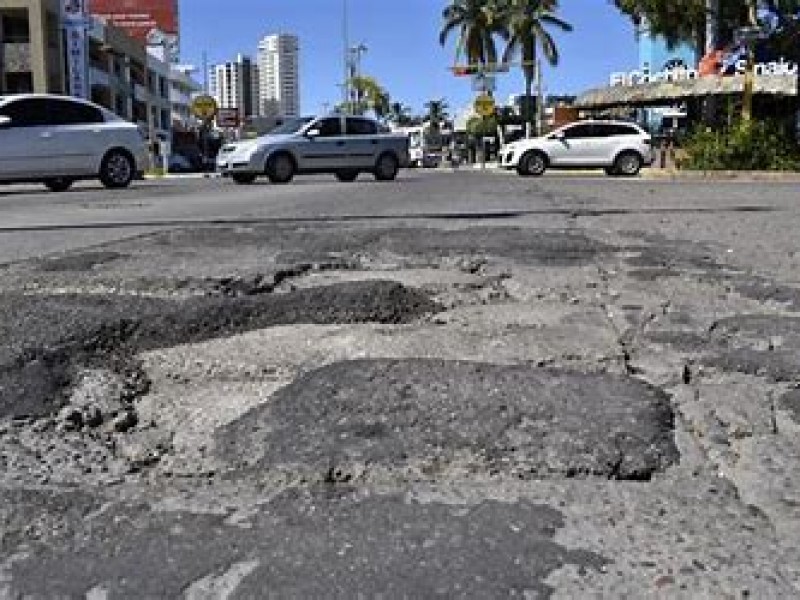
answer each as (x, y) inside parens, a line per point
(228, 118)
(637, 77)
(75, 23)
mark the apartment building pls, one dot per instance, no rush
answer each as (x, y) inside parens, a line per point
(279, 69)
(31, 47)
(236, 85)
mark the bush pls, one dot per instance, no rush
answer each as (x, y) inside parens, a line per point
(755, 145)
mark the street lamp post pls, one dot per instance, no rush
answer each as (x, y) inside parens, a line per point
(354, 72)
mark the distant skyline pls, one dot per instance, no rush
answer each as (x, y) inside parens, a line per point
(403, 52)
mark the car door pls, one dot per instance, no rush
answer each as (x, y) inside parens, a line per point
(607, 141)
(362, 142)
(77, 135)
(575, 145)
(324, 146)
(25, 140)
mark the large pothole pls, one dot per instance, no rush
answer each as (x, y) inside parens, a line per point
(421, 419)
(51, 339)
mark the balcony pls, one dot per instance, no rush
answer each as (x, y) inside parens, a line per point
(16, 57)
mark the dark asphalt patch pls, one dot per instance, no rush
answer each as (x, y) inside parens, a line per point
(81, 261)
(46, 339)
(40, 516)
(419, 417)
(309, 546)
(790, 402)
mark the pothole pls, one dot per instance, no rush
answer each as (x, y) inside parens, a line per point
(63, 335)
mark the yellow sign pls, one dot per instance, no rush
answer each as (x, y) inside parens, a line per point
(484, 105)
(204, 107)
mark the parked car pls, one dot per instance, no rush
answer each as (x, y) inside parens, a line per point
(56, 140)
(620, 147)
(344, 145)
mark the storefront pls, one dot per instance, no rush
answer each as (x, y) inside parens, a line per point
(694, 93)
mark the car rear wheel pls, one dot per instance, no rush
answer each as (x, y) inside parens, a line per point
(243, 178)
(117, 169)
(280, 168)
(386, 168)
(58, 184)
(346, 175)
(627, 164)
(532, 164)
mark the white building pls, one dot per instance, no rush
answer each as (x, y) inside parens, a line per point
(278, 66)
(236, 85)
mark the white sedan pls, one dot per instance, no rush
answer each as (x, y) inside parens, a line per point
(56, 140)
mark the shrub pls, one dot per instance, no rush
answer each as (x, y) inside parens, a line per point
(754, 145)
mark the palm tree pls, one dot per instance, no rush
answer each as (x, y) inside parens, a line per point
(527, 22)
(436, 113)
(477, 24)
(400, 114)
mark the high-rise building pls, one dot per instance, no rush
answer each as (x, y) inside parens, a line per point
(278, 66)
(236, 85)
(143, 20)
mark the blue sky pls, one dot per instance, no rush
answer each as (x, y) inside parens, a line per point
(403, 53)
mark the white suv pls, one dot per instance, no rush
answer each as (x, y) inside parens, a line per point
(58, 139)
(620, 147)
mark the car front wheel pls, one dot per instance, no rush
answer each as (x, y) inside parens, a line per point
(628, 164)
(386, 168)
(117, 169)
(532, 164)
(280, 168)
(58, 184)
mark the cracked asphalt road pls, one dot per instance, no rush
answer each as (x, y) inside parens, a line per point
(460, 384)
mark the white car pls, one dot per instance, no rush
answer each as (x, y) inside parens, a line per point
(620, 147)
(56, 140)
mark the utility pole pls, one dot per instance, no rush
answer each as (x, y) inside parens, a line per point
(539, 97)
(345, 57)
(749, 36)
(205, 72)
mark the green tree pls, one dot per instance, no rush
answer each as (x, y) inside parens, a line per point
(686, 20)
(528, 21)
(477, 24)
(783, 17)
(369, 95)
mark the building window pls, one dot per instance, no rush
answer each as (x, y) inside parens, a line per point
(15, 29)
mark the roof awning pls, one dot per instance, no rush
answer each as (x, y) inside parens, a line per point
(659, 93)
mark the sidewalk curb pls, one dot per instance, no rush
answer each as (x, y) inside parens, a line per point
(744, 176)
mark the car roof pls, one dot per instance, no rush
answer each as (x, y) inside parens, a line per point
(7, 97)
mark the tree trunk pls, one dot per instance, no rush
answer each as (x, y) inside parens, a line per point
(526, 106)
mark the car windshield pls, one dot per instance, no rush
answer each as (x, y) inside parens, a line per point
(290, 126)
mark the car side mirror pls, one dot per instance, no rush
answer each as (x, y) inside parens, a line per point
(5, 122)
(312, 133)
(559, 135)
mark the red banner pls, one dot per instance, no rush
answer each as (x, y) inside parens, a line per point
(138, 17)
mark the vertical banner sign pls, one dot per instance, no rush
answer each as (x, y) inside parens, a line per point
(75, 21)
